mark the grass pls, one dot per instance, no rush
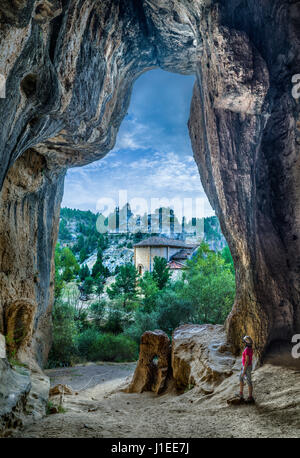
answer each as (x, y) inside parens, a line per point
(189, 387)
(61, 409)
(50, 405)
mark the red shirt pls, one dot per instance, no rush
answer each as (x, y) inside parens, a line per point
(247, 352)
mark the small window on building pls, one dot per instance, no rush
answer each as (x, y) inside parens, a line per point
(140, 269)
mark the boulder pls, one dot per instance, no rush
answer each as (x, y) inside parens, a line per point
(153, 369)
(200, 357)
(38, 396)
(60, 389)
(15, 386)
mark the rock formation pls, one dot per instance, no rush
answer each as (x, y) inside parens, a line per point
(154, 366)
(199, 356)
(244, 128)
(69, 67)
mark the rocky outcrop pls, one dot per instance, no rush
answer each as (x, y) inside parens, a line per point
(153, 370)
(14, 390)
(24, 394)
(244, 128)
(29, 209)
(69, 67)
(200, 357)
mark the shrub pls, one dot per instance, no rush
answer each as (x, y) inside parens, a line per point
(114, 323)
(173, 310)
(143, 322)
(64, 335)
(97, 310)
(95, 346)
(86, 341)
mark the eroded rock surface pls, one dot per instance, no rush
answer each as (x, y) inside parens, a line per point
(244, 128)
(198, 357)
(201, 357)
(153, 369)
(14, 390)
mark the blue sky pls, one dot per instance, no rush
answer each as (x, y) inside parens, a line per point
(152, 158)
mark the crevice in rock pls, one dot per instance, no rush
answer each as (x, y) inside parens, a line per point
(28, 85)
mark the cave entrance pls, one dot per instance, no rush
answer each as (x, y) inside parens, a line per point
(149, 187)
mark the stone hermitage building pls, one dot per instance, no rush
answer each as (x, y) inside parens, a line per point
(146, 250)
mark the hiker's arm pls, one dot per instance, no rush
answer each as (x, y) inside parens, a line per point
(246, 364)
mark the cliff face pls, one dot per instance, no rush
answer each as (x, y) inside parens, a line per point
(244, 128)
(70, 66)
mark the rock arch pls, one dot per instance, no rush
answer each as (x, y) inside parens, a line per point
(244, 128)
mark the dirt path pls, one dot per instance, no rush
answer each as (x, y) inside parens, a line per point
(103, 410)
(88, 375)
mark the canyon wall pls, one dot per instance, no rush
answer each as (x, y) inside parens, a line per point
(244, 128)
(69, 67)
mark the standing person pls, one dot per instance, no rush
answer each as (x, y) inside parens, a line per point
(246, 370)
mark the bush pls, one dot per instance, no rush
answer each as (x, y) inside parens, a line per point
(114, 323)
(143, 322)
(86, 341)
(95, 346)
(64, 346)
(173, 310)
(97, 311)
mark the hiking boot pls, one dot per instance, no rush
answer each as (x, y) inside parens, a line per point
(250, 400)
(236, 400)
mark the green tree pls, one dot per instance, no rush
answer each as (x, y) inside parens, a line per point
(68, 263)
(82, 255)
(173, 310)
(64, 334)
(125, 284)
(161, 273)
(84, 272)
(79, 244)
(99, 283)
(64, 233)
(210, 285)
(88, 285)
(114, 323)
(149, 290)
(98, 267)
(102, 242)
(97, 311)
(58, 280)
(226, 255)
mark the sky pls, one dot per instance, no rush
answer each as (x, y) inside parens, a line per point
(152, 158)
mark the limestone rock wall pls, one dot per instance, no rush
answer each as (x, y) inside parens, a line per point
(29, 209)
(244, 128)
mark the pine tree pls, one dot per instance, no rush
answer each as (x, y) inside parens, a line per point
(161, 273)
(98, 267)
(125, 284)
(84, 272)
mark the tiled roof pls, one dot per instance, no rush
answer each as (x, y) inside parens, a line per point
(182, 254)
(162, 241)
(175, 265)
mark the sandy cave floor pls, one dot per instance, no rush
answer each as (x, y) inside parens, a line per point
(103, 410)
